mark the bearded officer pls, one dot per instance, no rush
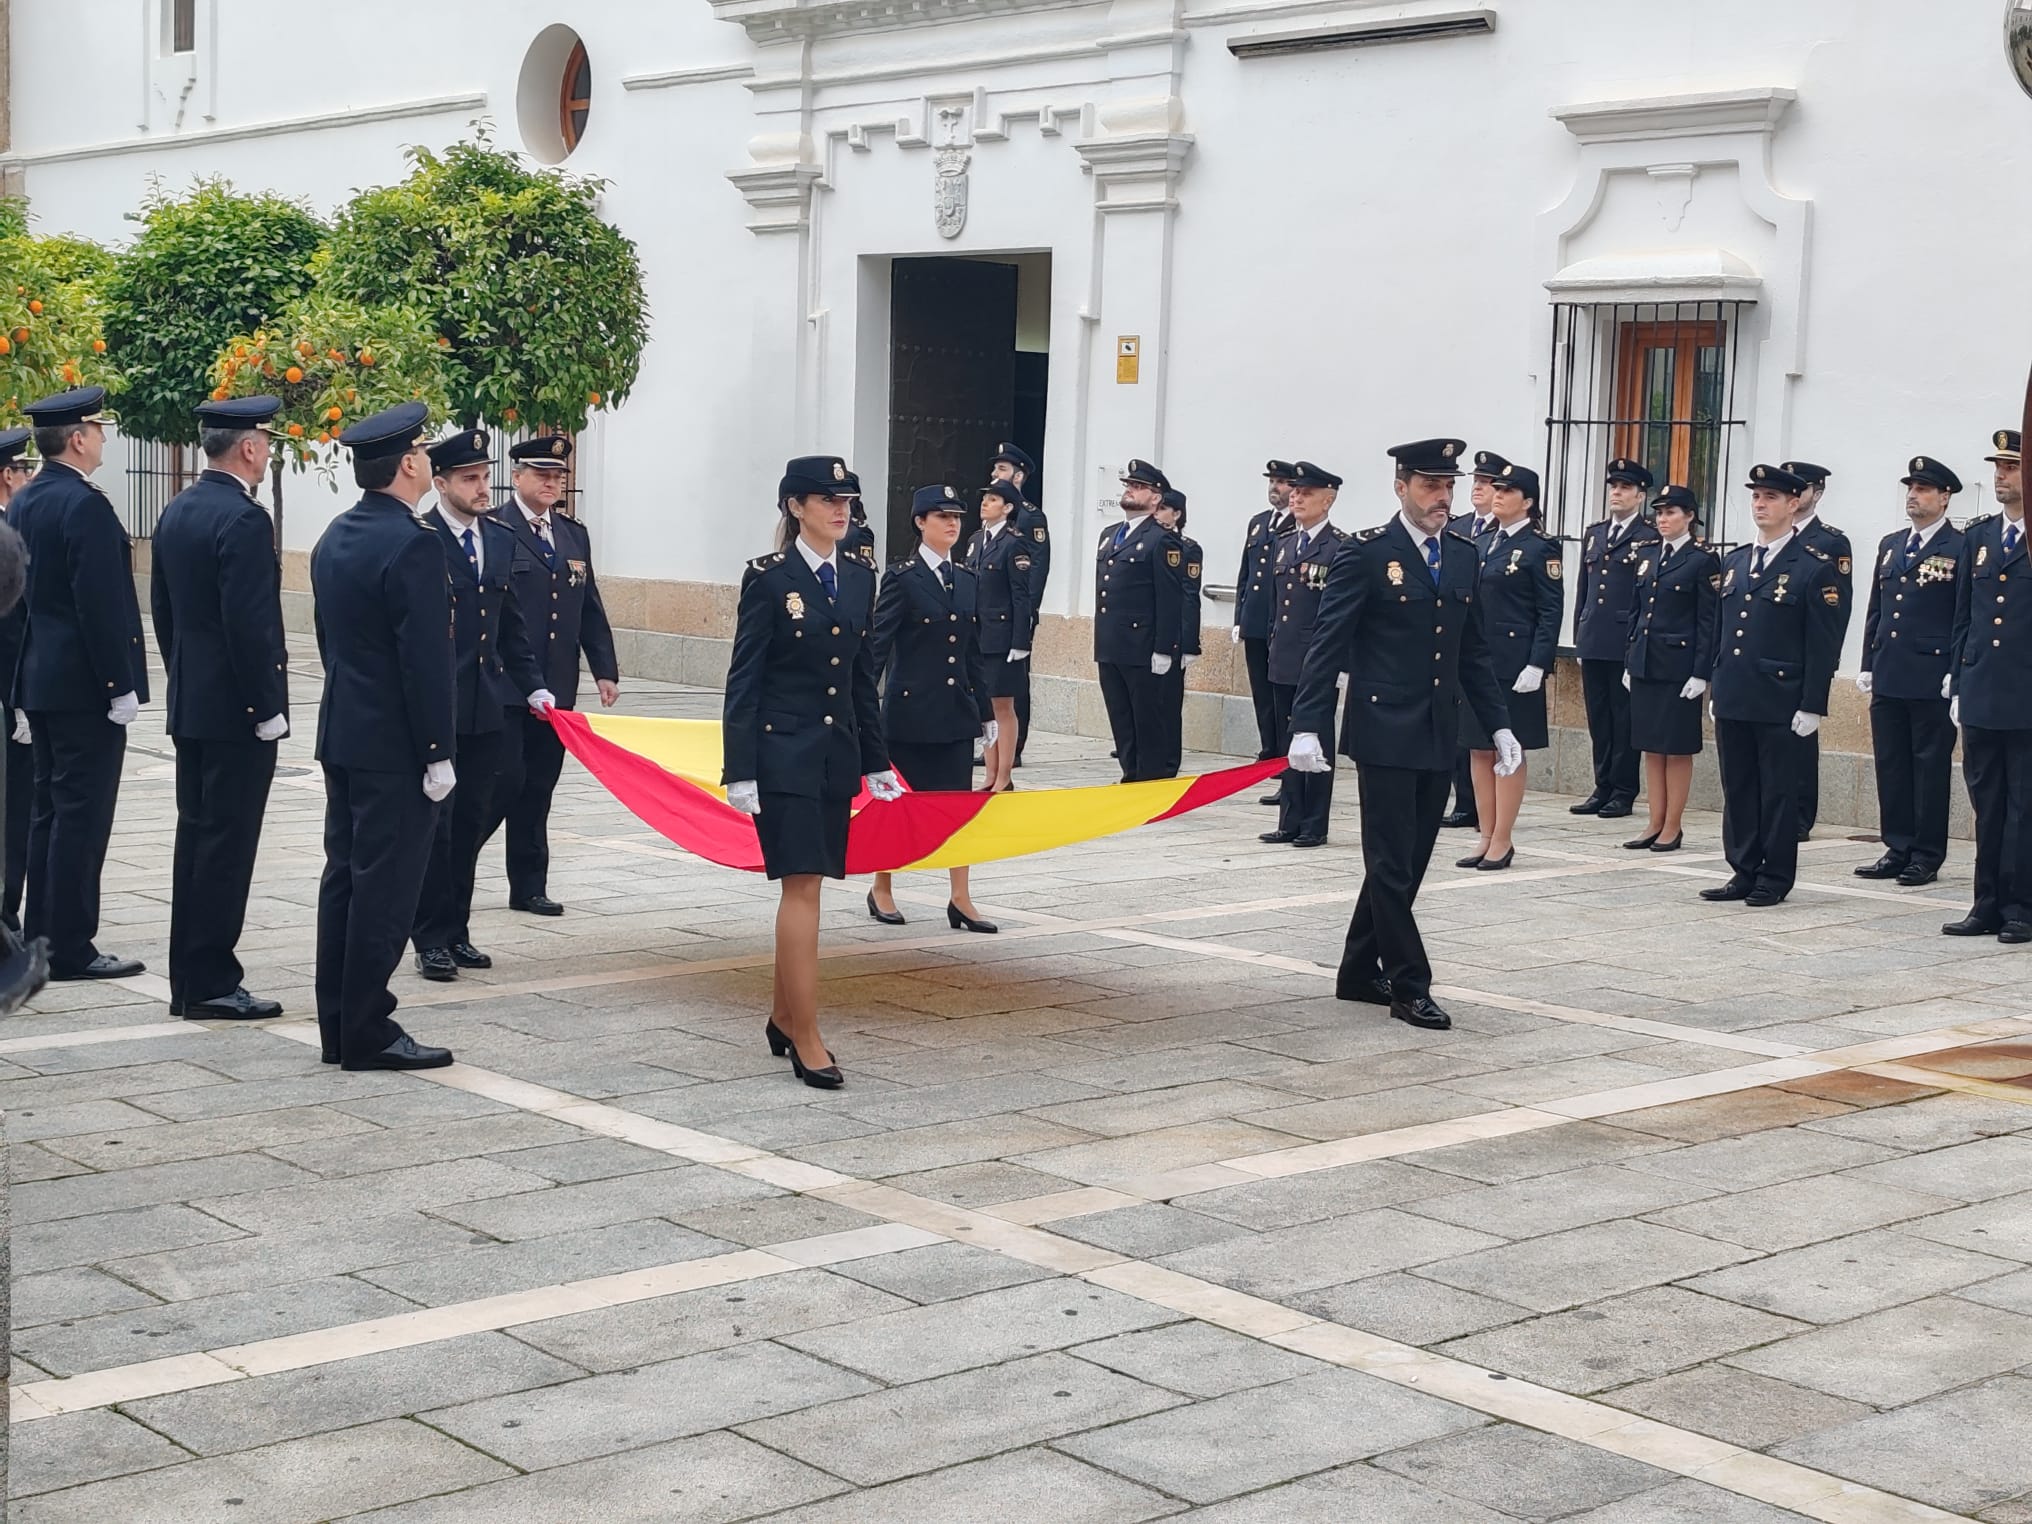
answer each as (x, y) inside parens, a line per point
(1776, 646)
(1906, 635)
(82, 677)
(1991, 686)
(1834, 544)
(1256, 603)
(1138, 620)
(1305, 556)
(215, 594)
(16, 469)
(552, 573)
(385, 736)
(1610, 553)
(1013, 464)
(1400, 617)
(497, 679)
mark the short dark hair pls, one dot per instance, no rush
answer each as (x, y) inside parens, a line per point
(216, 442)
(52, 440)
(377, 474)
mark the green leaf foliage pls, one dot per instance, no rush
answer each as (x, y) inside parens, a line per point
(51, 335)
(208, 266)
(540, 302)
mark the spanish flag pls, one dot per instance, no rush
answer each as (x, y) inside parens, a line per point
(664, 772)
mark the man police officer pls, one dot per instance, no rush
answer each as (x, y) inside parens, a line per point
(1610, 553)
(1140, 582)
(1256, 603)
(1305, 557)
(1834, 544)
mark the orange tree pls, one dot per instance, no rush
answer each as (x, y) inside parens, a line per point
(206, 266)
(539, 302)
(51, 338)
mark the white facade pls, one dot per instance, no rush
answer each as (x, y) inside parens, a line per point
(1320, 251)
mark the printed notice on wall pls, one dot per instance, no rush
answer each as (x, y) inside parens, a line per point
(1128, 359)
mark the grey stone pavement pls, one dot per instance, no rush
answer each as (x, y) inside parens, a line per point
(1699, 1214)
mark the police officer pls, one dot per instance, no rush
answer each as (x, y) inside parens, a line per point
(1609, 555)
(552, 573)
(1401, 617)
(935, 699)
(1304, 557)
(1522, 606)
(82, 677)
(216, 597)
(386, 731)
(1013, 464)
(803, 730)
(1171, 513)
(15, 471)
(1906, 635)
(860, 540)
(1776, 647)
(1140, 582)
(497, 678)
(1991, 686)
(1001, 563)
(1479, 520)
(1256, 602)
(1834, 544)
(1671, 653)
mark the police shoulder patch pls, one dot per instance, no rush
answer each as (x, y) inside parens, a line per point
(1038, 534)
(1173, 557)
(1021, 562)
(1192, 570)
(1555, 568)
(1831, 596)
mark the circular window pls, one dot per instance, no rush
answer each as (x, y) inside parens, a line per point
(554, 95)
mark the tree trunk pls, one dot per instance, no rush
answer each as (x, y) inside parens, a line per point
(275, 477)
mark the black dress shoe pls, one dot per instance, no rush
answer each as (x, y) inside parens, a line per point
(1421, 1013)
(959, 920)
(779, 1045)
(1890, 865)
(1642, 843)
(1971, 926)
(1669, 846)
(105, 966)
(468, 956)
(1734, 889)
(1367, 991)
(238, 1006)
(435, 964)
(403, 1053)
(2015, 932)
(1271, 799)
(1473, 861)
(1616, 809)
(1308, 841)
(1459, 818)
(536, 904)
(828, 1078)
(1592, 805)
(1278, 838)
(327, 1057)
(1806, 834)
(1762, 899)
(886, 917)
(1916, 874)
(1496, 864)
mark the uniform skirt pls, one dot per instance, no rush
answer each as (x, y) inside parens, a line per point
(1661, 721)
(1527, 723)
(800, 834)
(935, 766)
(1006, 679)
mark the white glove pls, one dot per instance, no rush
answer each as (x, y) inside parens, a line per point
(124, 709)
(1509, 755)
(438, 781)
(272, 730)
(22, 735)
(745, 797)
(1019, 656)
(1341, 682)
(542, 701)
(1234, 634)
(1626, 680)
(1864, 682)
(1804, 724)
(1185, 662)
(1306, 756)
(1531, 679)
(1945, 684)
(1160, 665)
(991, 731)
(1954, 710)
(885, 785)
(1695, 687)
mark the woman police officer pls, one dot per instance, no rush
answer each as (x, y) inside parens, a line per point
(935, 699)
(1001, 561)
(803, 727)
(1676, 610)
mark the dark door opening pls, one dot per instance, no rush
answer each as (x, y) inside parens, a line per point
(958, 383)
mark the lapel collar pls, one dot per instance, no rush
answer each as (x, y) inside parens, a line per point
(512, 515)
(1417, 574)
(2003, 528)
(455, 549)
(807, 579)
(931, 581)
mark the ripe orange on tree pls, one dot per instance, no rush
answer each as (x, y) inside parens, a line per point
(293, 375)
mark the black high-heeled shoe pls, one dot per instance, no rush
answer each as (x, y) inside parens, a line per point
(959, 920)
(1669, 846)
(828, 1078)
(1496, 864)
(1470, 862)
(886, 917)
(1641, 844)
(779, 1045)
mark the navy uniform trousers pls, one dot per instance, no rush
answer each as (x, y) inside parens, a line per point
(445, 909)
(1997, 765)
(20, 797)
(221, 797)
(378, 830)
(77, 776)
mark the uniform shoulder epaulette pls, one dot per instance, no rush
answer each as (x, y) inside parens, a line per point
(1817, 553)
(1979, 519)
(763, 563)
(1365, 535)
(1545, 534)
(1455, 534)
(903, 565)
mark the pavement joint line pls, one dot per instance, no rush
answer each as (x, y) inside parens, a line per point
(1847, 891)
(93, 1036)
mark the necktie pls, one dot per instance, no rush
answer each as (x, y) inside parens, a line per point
(945, 577)
(1432, 559)
(1912, 546)
(543, 529)
(2010, 539)
(829, 580)
(472, 555)
(1757, 563)
(1664, 556)
(1304, 544)
(1121, 534)
(1481, 527)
